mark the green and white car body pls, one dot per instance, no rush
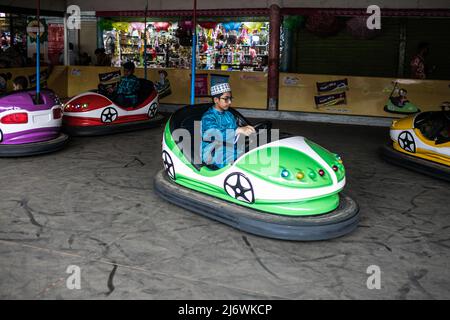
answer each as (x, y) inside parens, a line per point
(407, 108)
(267, 186)
(288, 188)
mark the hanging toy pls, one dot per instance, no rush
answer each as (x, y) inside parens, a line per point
(253, 26)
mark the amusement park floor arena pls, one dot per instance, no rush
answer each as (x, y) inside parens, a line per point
(92, 207)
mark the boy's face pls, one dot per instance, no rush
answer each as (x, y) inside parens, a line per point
(128, 72)
(224, 102)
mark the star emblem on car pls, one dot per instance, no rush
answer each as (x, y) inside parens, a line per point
(109, 115)
(406, 142)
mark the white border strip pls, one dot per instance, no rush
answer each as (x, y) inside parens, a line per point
(301, 116)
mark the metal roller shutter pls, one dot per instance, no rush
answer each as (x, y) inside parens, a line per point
(344, 55)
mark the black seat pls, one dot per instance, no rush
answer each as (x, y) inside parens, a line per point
(185, 118)
(431, 124)
(441, 140)
(146, 87)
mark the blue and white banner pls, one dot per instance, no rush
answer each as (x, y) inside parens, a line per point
(113, 76)
(332, 86)
(330, 99)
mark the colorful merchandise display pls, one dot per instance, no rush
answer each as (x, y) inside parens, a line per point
(221, 46)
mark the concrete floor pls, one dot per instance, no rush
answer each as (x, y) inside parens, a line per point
(92, 205)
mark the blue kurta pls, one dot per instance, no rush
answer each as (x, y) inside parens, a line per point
(129, 88)
(218, 137)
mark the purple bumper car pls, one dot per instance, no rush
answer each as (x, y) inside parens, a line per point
(27, 128)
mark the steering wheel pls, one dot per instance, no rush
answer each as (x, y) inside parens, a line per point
(241, 122)
(253, 139)
(426, 118)
(266, 124)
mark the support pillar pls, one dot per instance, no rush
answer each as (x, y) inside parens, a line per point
(274, 58)
(66, 42)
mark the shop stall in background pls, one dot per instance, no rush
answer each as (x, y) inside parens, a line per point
(221, 46)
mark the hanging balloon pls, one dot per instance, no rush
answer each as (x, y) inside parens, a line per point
(139, 26)
(252, 26)
(231, 26)
(293, 22)
(121, 26)
(162, 26)
(208, 25)
(323, 25)
(357, 28)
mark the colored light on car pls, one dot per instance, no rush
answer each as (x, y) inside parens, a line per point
(57, 113)
(321, 173)
(77, 107)
(284, 173)
(300, 175)
(15, 118)
(312, 175)
(335, 168)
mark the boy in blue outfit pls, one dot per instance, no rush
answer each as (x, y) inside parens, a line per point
(220, 130)
(126, 92)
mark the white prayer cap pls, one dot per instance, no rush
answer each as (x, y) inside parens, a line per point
(220, 88)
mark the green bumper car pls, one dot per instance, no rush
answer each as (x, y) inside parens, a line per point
(287, 188)
(400, 104)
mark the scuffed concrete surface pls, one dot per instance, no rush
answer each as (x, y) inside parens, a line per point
(92, 205)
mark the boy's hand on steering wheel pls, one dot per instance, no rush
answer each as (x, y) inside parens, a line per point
(247, 130)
